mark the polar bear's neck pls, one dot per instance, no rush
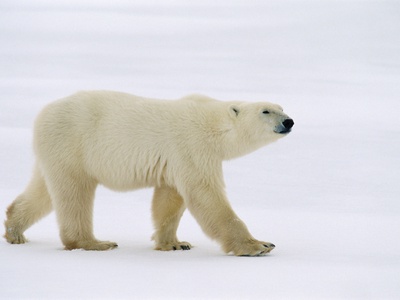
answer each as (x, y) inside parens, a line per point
(238, 144)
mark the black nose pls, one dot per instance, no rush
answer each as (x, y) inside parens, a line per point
(288, 123)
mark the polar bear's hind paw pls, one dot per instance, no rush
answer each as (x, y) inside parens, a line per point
(14, 236)
(91, 245)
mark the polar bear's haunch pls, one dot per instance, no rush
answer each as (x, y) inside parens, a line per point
(126, 142)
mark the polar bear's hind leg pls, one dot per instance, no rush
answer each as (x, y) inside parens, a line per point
(73, 199)
(29, 207)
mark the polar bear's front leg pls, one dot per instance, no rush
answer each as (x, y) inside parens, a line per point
(167, 210)
(208, 204)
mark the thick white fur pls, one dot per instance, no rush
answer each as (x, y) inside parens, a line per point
(125, 142)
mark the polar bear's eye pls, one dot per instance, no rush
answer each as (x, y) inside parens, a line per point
(266, 112)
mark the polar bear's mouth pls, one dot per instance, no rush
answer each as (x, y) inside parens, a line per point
(283, 131)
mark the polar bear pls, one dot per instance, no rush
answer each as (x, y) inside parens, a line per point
(125, 142)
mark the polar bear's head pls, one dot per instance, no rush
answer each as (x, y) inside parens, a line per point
(256, 125)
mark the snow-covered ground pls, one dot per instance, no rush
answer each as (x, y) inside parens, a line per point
(327, 195)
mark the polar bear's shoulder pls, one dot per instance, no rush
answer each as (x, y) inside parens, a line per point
(198, 98)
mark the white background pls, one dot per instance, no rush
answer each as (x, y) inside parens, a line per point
(327, 195)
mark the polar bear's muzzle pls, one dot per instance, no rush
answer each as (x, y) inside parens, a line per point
(285, 126)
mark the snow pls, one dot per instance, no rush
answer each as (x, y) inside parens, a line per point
(327, 195)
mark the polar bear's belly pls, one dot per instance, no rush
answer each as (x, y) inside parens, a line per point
(128, 172)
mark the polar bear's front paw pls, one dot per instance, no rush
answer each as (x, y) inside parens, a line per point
(91, 245)
(173, 246)
(251, 248)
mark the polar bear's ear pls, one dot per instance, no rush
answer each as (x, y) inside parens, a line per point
(234, 110)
